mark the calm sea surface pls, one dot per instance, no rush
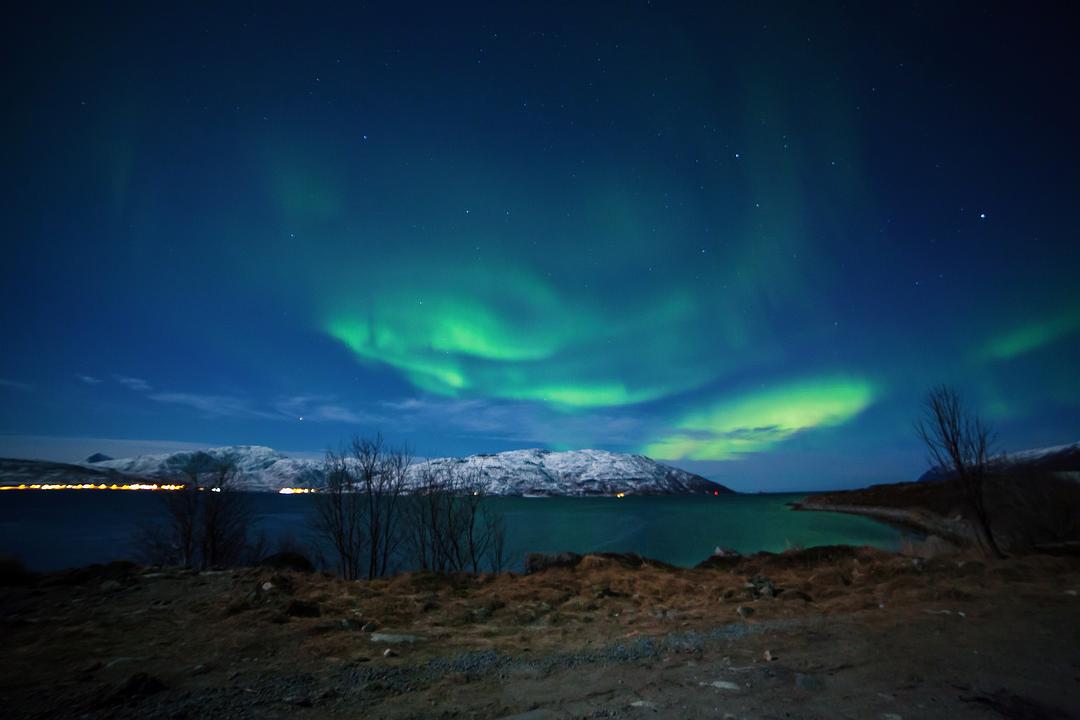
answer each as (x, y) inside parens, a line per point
(57, 529)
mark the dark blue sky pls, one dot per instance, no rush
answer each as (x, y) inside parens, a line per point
(742, 240)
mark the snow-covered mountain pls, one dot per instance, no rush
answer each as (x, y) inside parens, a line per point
(257, 467)
(575, 472)
(45, 472)
(1057, 459)
(517, 472)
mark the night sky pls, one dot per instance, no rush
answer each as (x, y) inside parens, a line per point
(740, 240)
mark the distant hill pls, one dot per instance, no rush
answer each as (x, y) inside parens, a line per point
(29, 472)
(532, 472)
(1057, 459)
(97, 457)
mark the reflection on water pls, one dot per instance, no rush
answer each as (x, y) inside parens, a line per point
(62, 529)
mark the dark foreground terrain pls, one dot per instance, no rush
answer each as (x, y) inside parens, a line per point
(1030, 511)
(822, 633)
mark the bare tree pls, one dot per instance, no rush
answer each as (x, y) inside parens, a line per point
(360, 511)
(959, 442)
(384, 489)
(207, 524)
(452, 525)
(225, 521)
(338, 516)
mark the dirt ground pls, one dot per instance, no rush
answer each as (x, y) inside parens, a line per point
(823, 633)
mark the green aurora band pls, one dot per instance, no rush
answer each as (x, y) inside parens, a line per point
(757, 421)
(1032, 336)
(520, 340)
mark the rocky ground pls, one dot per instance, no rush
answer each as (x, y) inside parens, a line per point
(822, 633)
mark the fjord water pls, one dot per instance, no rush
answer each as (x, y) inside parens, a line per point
(58, 529)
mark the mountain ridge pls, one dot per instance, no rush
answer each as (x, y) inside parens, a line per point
(529, 472)
(1055, 459)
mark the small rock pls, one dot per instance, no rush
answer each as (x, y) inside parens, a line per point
(298, 700)
(744, 611)
(267, 586)
(721, 685)
(388, 652)
(808, 682)
(200, 669)
(369, 626)
(1071, 592)
(394, 638)
(769, 657)
(645, 704)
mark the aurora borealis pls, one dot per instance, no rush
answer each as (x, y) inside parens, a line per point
(742, 240)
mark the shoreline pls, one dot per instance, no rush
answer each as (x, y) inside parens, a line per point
(922, 521)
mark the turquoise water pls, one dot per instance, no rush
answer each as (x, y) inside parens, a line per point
(682, 530)
(51, 530)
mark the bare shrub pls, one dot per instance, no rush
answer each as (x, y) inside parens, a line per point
(1035, 509)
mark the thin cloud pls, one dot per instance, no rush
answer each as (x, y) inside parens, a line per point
(16, 385)
(324, 408)
(132, 383)
(77, 449)
(216, 405)
(89, 379)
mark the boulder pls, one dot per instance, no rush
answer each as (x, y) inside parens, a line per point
(760, 586)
